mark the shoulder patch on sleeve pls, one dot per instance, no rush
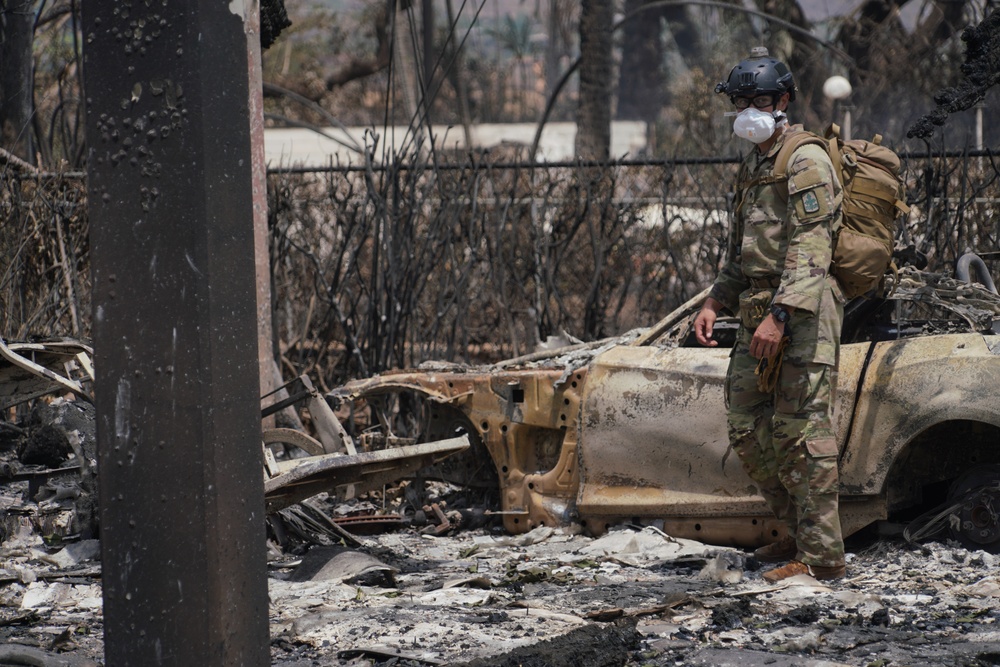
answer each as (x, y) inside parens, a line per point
(810, 202)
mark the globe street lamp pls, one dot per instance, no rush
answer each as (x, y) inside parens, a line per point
(839, 88)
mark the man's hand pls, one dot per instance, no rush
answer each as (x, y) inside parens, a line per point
(766, 338)
(704, 323)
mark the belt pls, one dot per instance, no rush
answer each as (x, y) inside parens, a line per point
(766, 281)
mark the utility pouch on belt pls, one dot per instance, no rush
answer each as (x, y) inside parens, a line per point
(769, 368)
(755, 306)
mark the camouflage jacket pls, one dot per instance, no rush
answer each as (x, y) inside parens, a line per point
(772, 238)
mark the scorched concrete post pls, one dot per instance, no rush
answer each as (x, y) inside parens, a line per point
(170, 192)
(262, 258)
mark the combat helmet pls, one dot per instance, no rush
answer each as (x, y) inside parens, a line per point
(759, 74)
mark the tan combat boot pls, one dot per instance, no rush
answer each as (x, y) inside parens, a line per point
(777, 552)
(818, 572)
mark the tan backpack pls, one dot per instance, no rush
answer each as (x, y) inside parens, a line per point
(873, 200)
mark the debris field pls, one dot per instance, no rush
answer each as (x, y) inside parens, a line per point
(417, 595)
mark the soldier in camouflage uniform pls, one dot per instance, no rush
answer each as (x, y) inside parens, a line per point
(777, 278)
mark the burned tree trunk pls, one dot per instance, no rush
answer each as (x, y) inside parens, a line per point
(593, 135)
(641, 84)
(17, 23)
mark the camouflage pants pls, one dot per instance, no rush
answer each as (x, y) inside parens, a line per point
(787, 446)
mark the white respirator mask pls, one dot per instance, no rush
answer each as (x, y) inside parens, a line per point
(755, 125)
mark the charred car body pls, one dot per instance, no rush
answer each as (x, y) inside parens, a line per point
(634, 429)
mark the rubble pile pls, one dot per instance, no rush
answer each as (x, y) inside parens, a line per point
(423, 574)
(48, 463)
(411, 596)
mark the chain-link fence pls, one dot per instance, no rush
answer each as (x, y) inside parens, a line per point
(476, 261)
(472, 261)
(467, 260)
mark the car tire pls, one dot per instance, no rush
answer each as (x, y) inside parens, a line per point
(977, 524)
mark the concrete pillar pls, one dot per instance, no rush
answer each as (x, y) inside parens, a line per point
(171, 197)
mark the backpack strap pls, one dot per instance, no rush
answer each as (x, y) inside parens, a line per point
(832, 135)
(779, 176)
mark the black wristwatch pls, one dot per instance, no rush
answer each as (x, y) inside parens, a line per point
(780, 314)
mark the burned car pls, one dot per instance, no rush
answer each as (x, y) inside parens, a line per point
(633, 429)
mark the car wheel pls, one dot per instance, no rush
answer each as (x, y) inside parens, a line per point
(978, 514)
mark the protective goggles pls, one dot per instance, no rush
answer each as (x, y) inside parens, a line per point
(761, 102)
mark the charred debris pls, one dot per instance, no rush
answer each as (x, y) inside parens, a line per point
(389, 542)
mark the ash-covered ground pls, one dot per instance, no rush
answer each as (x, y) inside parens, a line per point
(551, 597)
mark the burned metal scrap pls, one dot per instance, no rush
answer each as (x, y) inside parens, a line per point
(34, 369)
(334, 463)
(633, 429)
(53, 449)
(365, 471)
(979, 307)
(50, 451)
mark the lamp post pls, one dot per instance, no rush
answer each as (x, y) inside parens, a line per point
(979, 131)
(839, 88)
